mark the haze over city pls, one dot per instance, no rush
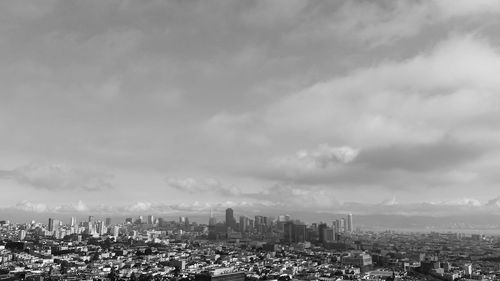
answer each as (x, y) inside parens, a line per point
(267, 107)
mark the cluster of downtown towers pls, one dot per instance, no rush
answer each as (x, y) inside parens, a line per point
(293, 231)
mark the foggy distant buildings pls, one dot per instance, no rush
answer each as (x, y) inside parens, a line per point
(230, 220)
(349, 223)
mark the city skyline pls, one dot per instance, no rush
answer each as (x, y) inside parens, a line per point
(182, 107)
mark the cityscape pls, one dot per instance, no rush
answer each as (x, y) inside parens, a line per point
(258, 248)
(250, 140)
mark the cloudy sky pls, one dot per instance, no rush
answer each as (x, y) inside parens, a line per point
(161, 106)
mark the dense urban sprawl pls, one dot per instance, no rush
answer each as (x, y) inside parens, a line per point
(259, 248)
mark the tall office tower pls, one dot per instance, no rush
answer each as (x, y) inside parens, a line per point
(22, 234)
(329, 235)
(243, 224)
(322, 232)
(129, 220)
(108, 221)
(342, 225)
(51, 224)
(182, 220)
(289, 232)
(266, 221)
(300, 232)
(140, 219)
(186, 222)
(337, 225)
(251, 225)
(287, 217)
(151, 219)
(258, 223)
(101, 229)
(350, 226)
(230, 221)
(73, 221)
(91, 218)
(90, 228)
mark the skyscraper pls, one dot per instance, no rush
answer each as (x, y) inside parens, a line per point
(243, 224)
(350, 226)
(51, 224)
(337, 226)
(322, 232)
(230, 221)
(108, 221)
(151, 219)
(73, 221)
(101, 228)
(300, 232)
(289, 232)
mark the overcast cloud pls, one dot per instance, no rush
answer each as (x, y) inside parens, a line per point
(185, 105)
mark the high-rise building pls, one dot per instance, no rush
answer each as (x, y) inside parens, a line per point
(322, 232)
(266, 221)
(259, 224)
(294, 232)
(73, 221)
(90, 228)
(91, 218)
(51, 224)
(250, 224)
(101, 228)
(342, 225)
(337, 225)
(151, 219)
(230, 221)
(300, 232)
(243, 224)
(288, 232)
(329, 235)
(108, 221)
(350, 225)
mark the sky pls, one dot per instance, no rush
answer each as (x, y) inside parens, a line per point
(171, 107)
